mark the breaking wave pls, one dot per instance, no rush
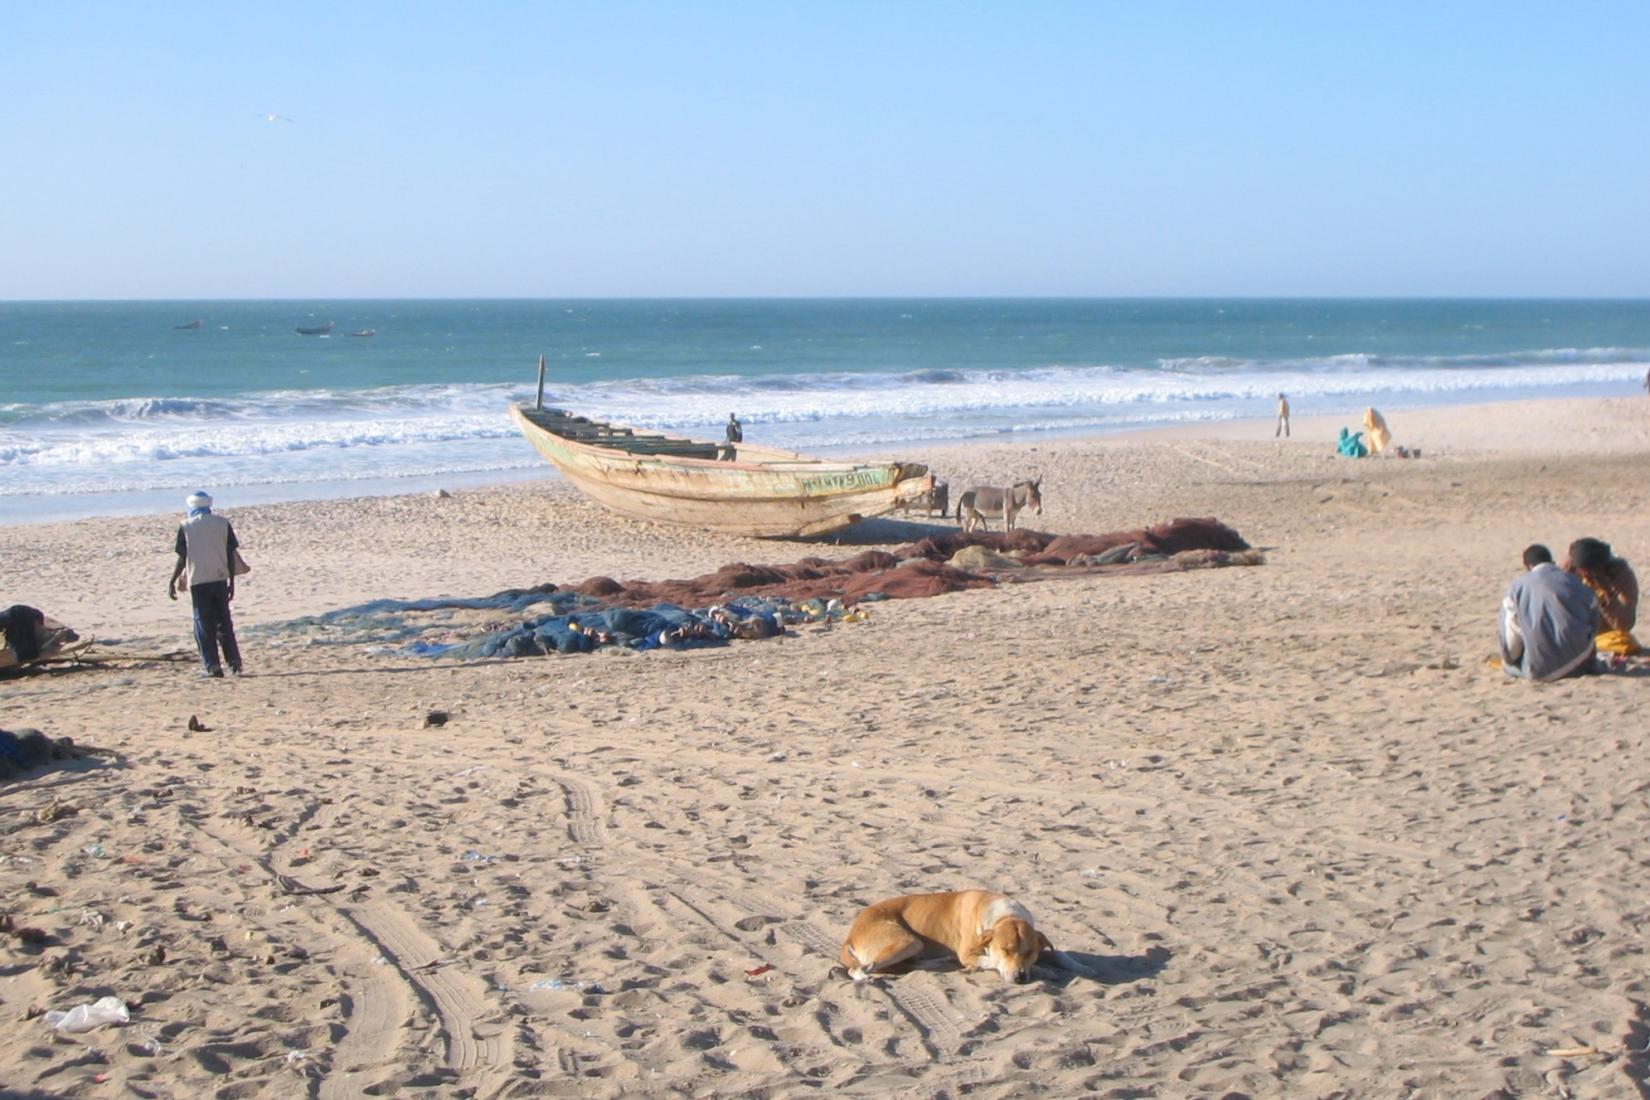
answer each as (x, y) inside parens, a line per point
(332, 435)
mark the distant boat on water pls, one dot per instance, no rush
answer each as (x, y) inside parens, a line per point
(189, 325)
(315, 330)
(365, 332)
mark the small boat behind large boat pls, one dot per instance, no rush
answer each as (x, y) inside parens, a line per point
(315, 330)
(735, 489)
(365, 332)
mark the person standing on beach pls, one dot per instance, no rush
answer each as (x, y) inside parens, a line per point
(735, 435)
(1548, 619)
(1283, 417)
(206, 546)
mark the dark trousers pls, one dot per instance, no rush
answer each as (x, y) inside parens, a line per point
(213, 625)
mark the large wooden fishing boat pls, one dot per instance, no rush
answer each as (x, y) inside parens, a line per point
(736, 489)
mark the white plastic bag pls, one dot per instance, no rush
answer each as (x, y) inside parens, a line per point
(109, 1010)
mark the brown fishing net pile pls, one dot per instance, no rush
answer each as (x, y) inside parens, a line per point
(533, 621)
(948, 562)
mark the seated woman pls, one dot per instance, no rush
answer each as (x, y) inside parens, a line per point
(28, 635)
(1379, 437)
(1350, 444)
(1617, 589)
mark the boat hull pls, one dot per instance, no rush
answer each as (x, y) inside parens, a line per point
(765, 493)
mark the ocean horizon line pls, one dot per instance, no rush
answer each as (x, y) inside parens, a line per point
(618, 298)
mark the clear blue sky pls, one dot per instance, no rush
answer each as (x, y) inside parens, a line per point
(774, 148)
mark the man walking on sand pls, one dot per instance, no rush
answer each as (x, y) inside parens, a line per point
(1283, 417)
(206, 546)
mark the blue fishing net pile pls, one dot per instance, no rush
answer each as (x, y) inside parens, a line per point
(386, 622)
(550, 621)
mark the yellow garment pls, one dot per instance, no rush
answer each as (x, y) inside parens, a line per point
(1612, 641)
(1617, 641)
(1375, 426)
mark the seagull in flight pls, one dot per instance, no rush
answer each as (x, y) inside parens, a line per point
(275, 118)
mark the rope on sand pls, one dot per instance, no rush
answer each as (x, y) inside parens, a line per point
(1226, 466)
(171, 656)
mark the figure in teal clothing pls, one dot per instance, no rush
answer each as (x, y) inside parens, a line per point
(1350, 444)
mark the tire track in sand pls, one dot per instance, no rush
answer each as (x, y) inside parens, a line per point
(936, 1026)
(584, 823)
(939, 1031)
(457, 999)
(372, 1033)
(378, 1007)
(374, 1010)
(934, 1021)
(799, 929)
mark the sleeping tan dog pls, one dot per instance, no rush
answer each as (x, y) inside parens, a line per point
(977, 927)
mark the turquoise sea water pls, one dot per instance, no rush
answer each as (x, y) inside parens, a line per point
(113, 407)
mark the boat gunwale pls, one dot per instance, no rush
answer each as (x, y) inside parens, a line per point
(783, 462)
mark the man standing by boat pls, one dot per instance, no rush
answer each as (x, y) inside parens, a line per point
(206, 546)
(735, 435)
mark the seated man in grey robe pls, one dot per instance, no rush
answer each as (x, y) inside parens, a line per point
(1548, 620)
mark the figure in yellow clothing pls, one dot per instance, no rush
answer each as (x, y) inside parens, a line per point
(1613, 582)
(1375, 427)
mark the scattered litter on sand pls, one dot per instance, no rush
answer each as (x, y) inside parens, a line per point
(106, 1010)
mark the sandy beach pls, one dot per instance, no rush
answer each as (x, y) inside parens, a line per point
(1309, 842)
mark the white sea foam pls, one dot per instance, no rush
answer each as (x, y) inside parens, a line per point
(326, 435)
(841, 398)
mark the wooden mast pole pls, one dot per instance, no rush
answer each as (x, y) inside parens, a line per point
(539, 404)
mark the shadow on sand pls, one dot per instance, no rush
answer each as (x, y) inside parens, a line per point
(1109, 969)
(1105, 969)
(884, 530)
(48, 775)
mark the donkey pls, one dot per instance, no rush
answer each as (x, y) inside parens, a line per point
(937, 499)
(979, 502)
